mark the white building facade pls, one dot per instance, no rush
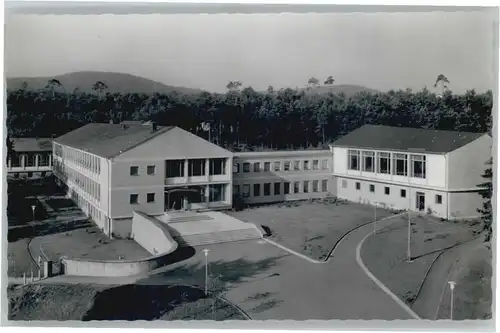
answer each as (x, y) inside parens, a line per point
(112, 170)
(434, 172)
(264, 177)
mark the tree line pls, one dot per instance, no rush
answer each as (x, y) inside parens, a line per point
(243, 118)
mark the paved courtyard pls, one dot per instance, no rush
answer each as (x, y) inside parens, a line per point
(311, 228)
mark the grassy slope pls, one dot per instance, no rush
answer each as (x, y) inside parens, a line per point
(100, 302)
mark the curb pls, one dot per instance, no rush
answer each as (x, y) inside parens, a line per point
(436, 259)
(380, 284)
(335, 246)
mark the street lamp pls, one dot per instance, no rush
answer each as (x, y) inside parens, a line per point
(33, 210)
(409, 221)
(206, 270)
(452, 288)
(375, 218)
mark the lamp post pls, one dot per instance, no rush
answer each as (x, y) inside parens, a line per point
(409, 221)
(206, 270)
(33, 207)
(375, 218)
(452, 288)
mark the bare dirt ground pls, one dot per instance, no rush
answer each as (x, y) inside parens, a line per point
(385, 253)
(311, 228)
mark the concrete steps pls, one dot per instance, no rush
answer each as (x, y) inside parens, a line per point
(217, 237)
(192, 218)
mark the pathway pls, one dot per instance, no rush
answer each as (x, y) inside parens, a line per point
(428, 301)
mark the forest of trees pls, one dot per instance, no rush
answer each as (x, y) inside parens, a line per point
(245, 119)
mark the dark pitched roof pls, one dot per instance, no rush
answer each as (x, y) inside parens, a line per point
(32, 144)
(406, 139)
(109, 140)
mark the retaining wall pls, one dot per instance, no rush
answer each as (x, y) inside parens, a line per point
(149, 233)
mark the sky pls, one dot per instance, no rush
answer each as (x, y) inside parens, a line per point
(378, 50)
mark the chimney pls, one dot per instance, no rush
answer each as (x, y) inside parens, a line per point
(154, 126)
(111, 121)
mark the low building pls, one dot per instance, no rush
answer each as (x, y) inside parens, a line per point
(429, 171)
(112, 170)
(274, 176)
(32, 157)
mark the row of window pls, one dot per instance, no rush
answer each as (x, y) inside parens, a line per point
(280, 165)
(195, 167)
(29, 160)
(89, 186)
(387, 163)
(150, 170)
(86, 206)
(282, 187)
(134, 198)
(80, 158)
(387, 190)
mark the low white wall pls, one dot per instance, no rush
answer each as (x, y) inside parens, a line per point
(151, 234)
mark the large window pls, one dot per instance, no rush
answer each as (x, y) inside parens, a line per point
(417, 166)
(315, 164)
(286, 165)
(236, 167)
(324, 185)
(324, 164)
(306, 165)
(217, 192)
(43, 160)
(353, 159)
(256, 167)
(277, 188)
(277, 166)
(30, 160)
(286, 187)
(306, 186)
(296, 187)
(368, 161)
(256, 190)
(150, 197)
(15, 160)
(196, 167)
(267, 189)
(315, 186)
(400, 164)
(174, 168)
(246, 167)
(267, 166)
(384, 163)
(296, 165)
(217, 166)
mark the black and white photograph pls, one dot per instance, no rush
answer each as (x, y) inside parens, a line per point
(231, 166)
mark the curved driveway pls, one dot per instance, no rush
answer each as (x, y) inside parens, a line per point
(291, 287)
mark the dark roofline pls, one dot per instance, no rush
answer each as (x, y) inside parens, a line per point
(159, 131)
(409, 150)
